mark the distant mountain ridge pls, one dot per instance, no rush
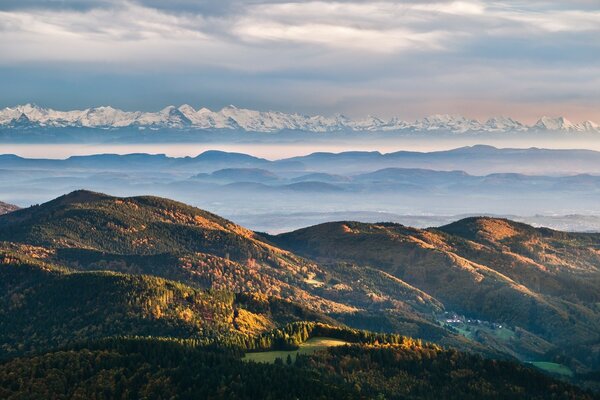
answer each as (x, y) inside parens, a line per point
(6, 208)
(232, 118)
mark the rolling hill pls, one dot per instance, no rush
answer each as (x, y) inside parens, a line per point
(44, 306)
(239, 175)
(110, 266)
(542, 281)
(86, 231)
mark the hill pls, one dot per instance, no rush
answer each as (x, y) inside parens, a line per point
(542, 283)
(86, 231)
(46, 306)
(533, 291)
(239, 175)
(87, 267)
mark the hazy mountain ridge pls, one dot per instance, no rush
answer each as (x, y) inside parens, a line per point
(475, 160)
(233, 118)
(515, 183)
(6, 208)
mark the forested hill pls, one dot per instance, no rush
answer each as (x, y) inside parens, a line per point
(159, 368)
(140, 225)
(88, 231)
(543, 281)
(88, 266)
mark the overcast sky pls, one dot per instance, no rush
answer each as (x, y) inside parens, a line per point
(409, 59)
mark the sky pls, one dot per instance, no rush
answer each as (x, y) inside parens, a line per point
(408, 59)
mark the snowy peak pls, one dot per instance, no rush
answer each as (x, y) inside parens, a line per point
(186, 117)
(590, 126)
(554, 124)
(454, 123)
(503, 124)
(104, 117)
(173, 118)
(564, 125)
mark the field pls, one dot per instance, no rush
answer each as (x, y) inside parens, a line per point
(308, 347)
(553, 368)
(470, 331)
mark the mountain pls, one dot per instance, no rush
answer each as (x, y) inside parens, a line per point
(321, 177)
(86, 231)
(232, 118)
(412, 175)
(178, 241)
(452, 123)
(541, 186)
(476, 160)
(6, 208)
(503, 124)
(239, 175)
(544, 282)
(88, 276)
(564, 125)
(100, 304)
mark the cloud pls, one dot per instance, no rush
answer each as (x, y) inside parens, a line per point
(379, 27)
(432, 51)
(55, 5)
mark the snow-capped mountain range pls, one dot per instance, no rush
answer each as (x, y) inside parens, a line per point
(233, 118)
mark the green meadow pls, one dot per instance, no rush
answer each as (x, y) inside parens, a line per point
(553, 368)
(308, 347)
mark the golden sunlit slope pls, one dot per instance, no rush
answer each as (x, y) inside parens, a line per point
(497, 270)
(152, 235)
(44, 306)
(559, 264)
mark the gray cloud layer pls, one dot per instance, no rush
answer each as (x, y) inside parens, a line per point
(384, 57)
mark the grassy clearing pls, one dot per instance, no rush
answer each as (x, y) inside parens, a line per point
(308, 347)
(470, 331)
(553, 368)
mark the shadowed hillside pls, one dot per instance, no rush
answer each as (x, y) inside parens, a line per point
(138, 368)
(45, 306)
